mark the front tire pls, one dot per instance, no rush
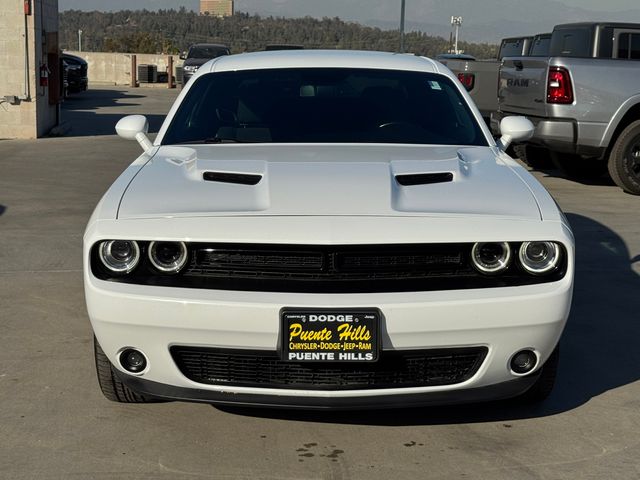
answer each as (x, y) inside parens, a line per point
(624, 160)
(543, 387)
(112, 388)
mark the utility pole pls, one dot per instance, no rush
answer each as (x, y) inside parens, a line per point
(457, 23)
(79, 40)
(402, 10)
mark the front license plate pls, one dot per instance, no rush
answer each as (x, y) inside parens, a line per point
(330, 335)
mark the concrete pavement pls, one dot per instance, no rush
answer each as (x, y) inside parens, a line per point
(55, 424)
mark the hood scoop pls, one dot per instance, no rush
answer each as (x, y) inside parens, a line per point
(236, 178)
(412, 179)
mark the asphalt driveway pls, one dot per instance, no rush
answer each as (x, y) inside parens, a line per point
(55, 424)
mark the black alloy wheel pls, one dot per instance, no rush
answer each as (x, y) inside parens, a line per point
(624, 161)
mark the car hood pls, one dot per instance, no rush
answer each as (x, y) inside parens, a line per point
(354, 180)
(195, 62)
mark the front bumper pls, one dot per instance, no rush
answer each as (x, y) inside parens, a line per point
(152, 319)
(561, 135)
(186, 76)
(509, 389)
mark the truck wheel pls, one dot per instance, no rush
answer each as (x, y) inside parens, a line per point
(540, 390)
(624, 160)
(536, 157)
(575, 166)
(112, 388)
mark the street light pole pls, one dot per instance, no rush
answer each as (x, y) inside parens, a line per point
(402, 10)
(79, 40)
(457, 23)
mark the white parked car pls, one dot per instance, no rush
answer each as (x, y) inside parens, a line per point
(326, 229)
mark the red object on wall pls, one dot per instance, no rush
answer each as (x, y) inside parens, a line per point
(27, 7)
(44, 76)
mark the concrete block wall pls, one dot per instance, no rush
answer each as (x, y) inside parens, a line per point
(33, 117)
(115, 68)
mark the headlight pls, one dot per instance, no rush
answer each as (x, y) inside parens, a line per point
(168, 257)
(120, 256)
(491, 257)
(191, 68)
(539, 258)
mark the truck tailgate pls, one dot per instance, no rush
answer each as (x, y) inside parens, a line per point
(522, 86)
(485, 83)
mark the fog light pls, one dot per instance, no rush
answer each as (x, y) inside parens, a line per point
(523, 362)
(133, 361)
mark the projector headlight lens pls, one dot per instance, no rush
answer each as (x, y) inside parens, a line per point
(168, 257)
(539, 258)
(119, 256)
(491, 257)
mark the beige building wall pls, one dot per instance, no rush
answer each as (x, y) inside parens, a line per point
(216, 8)
(115, 68)
(31, 115)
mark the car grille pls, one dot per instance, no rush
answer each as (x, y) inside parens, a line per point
(394, 369)
(326, 269)
(331, 269)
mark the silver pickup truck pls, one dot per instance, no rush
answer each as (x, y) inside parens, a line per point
(480, 78)
(584, 99)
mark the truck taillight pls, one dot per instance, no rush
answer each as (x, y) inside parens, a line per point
(559, 89)
(468, 80)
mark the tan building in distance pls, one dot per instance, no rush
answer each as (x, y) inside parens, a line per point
(216, 8)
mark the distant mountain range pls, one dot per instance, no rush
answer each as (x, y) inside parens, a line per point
(484, 20)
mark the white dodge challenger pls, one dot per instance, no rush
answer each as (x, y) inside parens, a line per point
(326, 229)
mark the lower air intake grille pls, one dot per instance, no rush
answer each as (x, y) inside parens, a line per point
(394, 369)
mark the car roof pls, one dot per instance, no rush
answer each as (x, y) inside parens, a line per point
(323, 59)
(73, 57)
(209, 45)
(563, 26)
(455, 56)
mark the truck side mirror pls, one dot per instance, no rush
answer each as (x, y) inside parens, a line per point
(183, 56)
(514, 129)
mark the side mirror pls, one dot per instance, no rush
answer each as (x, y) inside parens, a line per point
(183, 56)
(514, 129)
(135, 127)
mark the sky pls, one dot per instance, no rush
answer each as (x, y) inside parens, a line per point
(599, 5)
(484, 20)
(609, 5)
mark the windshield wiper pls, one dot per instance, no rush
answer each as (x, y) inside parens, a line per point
(212, 140)
(223, 140)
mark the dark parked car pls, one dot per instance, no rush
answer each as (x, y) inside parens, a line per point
(75, 74)
(198, 55)
(279, 46)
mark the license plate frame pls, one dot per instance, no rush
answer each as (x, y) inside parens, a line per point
(354, 335)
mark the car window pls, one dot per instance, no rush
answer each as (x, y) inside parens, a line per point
(571, 42)
(512, 47)
(629, 46)
(325, 105)
(540, 47)
(202, 51)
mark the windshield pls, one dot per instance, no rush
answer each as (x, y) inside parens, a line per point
(513, 47)
(324, 105)
(203, 51)
(571, 42)
(540, 46)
